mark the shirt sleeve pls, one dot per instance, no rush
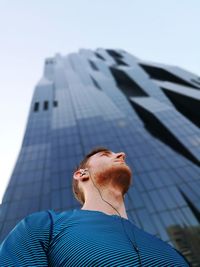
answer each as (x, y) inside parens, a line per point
(27, 244)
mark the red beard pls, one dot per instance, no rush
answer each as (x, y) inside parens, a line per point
(118, 176)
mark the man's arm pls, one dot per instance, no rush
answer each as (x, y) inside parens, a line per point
(27, 244)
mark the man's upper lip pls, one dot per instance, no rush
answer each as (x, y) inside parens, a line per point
(120, 161)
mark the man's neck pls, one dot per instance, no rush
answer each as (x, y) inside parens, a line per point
(94, 202)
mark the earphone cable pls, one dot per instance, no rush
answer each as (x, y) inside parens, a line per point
(121, 219)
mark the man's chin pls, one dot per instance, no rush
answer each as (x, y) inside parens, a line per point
(119, 177)
(122, 179)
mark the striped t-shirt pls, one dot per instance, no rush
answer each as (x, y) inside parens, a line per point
(84, 238)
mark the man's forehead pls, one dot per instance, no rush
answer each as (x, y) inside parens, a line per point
(99, 153)
(103, 151)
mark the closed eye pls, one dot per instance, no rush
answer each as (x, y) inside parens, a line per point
(106, 153)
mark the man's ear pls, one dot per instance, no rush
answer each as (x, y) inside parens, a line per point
(81, 175)
(77, 174)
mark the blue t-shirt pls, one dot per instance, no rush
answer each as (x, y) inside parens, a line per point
(84, 238)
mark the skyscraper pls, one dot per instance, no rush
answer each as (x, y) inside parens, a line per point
(110, 98)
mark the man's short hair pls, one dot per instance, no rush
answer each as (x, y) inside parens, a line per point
(78, 192)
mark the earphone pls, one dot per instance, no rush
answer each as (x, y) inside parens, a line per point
(134, 244)
(83, 172)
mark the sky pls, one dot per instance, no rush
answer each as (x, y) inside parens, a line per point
(164, 31)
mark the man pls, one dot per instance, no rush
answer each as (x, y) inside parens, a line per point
(99, 234)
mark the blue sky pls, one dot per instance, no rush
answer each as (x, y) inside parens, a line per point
(164, 31)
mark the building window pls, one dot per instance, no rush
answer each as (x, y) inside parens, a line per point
(99, 56)
(46, 105)
(55, 103)
(95, 83)
(114, 53)
(92, 64)
(195, 81)
(49, 61)
(117, 57)
(36, 106)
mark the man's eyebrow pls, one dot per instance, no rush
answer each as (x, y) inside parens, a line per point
(106, 152)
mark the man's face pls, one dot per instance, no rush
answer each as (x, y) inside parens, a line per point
(109, 169)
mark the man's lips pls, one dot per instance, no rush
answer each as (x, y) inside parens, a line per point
(120, 161)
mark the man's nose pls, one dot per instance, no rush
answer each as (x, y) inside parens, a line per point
(121, 155)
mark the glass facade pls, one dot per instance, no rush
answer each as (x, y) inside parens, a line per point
(111, 98)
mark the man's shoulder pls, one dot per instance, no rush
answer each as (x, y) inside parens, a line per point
(31, 226)
(49, 213)
(36, 221)
(42, 219)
